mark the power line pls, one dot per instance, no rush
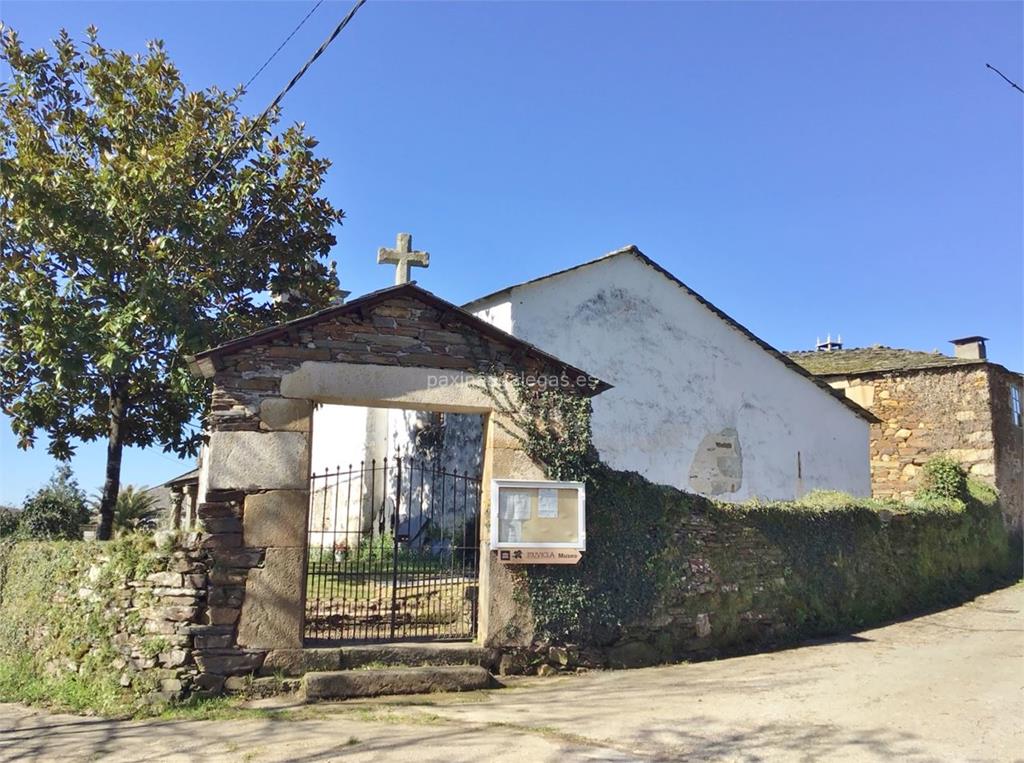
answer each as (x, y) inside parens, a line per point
(285, 42)
(319, 52)
(1010, 82)
(294, 80)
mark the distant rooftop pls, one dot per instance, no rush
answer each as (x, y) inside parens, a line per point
(878, 358)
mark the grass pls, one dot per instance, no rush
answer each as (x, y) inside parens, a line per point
(825, 500)
(360, 585)
(64, 691)
(389, 715)
(236, 709)
(346, 607)
(229, 708)
(70, 692)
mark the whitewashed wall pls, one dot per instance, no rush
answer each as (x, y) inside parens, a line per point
(686, 381)
(349, 440)
(341, 435)
(345, 435)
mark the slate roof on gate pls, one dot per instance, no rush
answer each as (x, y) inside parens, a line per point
(634, 251)
(877, 359)
(203, 363)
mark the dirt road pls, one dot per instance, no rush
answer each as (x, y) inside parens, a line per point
(948, 686)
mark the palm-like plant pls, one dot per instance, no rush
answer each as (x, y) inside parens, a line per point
(135, 510)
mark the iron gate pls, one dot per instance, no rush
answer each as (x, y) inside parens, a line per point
(392, 553)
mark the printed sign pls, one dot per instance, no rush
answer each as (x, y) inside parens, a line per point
(515, 505)
(547, 503)
(539, 555)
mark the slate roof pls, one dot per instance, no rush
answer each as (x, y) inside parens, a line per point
(862, 360)
(204, 363)
(634, 251)
(192, 475)
(161, 493)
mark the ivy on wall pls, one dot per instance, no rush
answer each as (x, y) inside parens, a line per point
(668, 574)
(622, 572)
(943, 478)
(661, 563)
(552, 426)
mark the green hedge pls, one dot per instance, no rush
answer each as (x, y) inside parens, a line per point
(63, 622)
(764, 574)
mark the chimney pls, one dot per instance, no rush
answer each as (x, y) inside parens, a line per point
(828, 345)
(970, 347)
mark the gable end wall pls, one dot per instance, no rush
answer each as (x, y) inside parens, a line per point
(695, 403)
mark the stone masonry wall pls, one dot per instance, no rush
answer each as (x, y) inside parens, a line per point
(962, 412)
(669, 575)
(399, 332)
(924, 414)
(169, 603)
(117, 618)
(1009, 446)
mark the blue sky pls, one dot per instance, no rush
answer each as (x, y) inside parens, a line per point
(808, 167)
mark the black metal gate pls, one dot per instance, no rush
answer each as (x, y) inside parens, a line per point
(393, 553)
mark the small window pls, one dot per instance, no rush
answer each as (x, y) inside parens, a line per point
(1015, 413)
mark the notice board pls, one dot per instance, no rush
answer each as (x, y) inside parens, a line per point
(538, 514)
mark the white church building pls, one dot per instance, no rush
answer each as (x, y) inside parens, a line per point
(698, 401)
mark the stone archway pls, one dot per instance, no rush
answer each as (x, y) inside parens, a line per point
(401, 347)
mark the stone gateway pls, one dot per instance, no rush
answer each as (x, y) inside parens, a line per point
(384, 350)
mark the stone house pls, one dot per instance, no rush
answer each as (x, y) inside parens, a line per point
(929, 404)
(699, 401)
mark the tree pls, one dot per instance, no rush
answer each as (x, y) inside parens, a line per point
(140, 222)
(9, 520)
(56, 511)
(135, 510)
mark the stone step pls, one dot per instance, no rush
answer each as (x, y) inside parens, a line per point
(350, 684)
(296, 662)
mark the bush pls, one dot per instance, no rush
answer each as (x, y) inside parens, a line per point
(57, 511)
(944, 478)
(9, 520)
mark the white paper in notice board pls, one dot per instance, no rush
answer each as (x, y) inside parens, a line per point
(547, 503)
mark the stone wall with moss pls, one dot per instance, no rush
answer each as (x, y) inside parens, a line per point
(666, 576)
(99, 626)
(959, 411)
(669, 575)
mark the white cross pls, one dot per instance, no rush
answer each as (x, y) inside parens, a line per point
(403, 257)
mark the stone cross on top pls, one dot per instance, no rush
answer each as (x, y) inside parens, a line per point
(403, 257)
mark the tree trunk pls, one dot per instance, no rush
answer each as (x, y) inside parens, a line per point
(115, 445)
